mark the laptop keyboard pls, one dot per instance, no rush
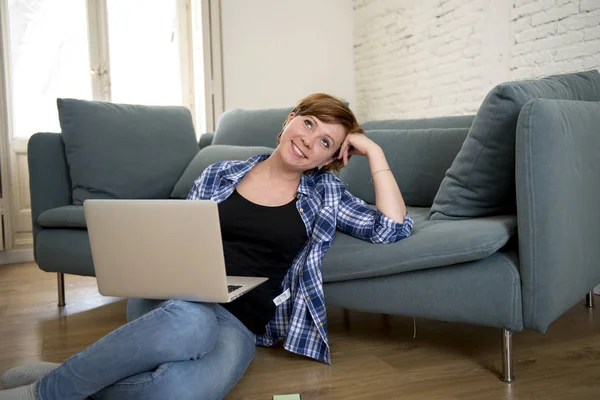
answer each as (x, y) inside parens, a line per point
(231, 288)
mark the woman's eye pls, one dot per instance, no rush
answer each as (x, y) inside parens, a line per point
(325, 142)
(308, 123)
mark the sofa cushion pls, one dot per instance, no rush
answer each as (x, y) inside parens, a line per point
(64, 250)
(125, 151)
(459, 121)
(208, 156)
(63, 217)
(432, 244)
(418, 158)
(481, 180)
(482, 292)
(245, 127)
(205, 140)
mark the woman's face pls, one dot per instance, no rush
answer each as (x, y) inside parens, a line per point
(307, 142)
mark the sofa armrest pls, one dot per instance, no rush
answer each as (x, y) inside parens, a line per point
(558, 187)
(205, 140)
(49, 181)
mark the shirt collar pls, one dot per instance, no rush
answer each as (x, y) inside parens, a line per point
(236, 172)
(307, 185)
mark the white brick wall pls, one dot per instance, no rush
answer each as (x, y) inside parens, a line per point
(441, 57)
(563, 36)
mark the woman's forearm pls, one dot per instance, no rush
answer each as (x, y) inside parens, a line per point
(388, 197)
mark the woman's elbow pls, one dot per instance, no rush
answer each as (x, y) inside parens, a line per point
(385, 236)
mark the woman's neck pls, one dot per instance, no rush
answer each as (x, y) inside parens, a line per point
(273, 169)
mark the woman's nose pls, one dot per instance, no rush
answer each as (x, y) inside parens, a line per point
(307, 141)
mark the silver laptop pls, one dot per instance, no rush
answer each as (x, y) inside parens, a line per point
(161, 249)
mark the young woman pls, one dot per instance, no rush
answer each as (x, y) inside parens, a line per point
(278, 216)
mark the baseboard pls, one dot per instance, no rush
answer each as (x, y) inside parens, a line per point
(16, 256)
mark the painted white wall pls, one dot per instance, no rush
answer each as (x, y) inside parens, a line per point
(276, 52)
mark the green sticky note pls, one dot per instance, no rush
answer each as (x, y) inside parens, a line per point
(287, 397)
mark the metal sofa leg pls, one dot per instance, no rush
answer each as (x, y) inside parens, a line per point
(61, 289)
(507, 361)
(589, 299)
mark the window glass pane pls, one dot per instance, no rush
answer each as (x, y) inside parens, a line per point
(48, 53)
(144, 52)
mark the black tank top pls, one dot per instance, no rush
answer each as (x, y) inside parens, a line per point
(259, 241)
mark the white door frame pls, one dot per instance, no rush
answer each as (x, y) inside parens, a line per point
(186, 55)
(5, 129)
(97, 18)
(213, 61)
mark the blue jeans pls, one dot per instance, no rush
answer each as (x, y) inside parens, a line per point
(168, 350)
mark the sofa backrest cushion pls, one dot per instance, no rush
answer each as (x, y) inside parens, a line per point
(481, 181)
(125, 151)
(418, 159)
(210, 155)
(460, 121)
(245, 127)
(205, 140)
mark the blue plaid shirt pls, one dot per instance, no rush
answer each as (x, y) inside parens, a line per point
(324, 205)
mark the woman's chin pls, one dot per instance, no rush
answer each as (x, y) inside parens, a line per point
(294, 163)
(297, 165)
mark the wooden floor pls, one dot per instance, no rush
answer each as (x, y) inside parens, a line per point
(372, 358)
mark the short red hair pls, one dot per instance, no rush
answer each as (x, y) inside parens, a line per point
(331, 110)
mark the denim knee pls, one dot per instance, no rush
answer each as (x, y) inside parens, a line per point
(192, 324)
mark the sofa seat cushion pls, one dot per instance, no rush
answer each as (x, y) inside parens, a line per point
(432, 244)
(120, 151)
(63, 217)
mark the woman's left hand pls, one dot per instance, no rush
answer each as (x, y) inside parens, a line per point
(356, 144)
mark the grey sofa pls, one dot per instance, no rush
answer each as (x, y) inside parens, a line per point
(505, 202)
